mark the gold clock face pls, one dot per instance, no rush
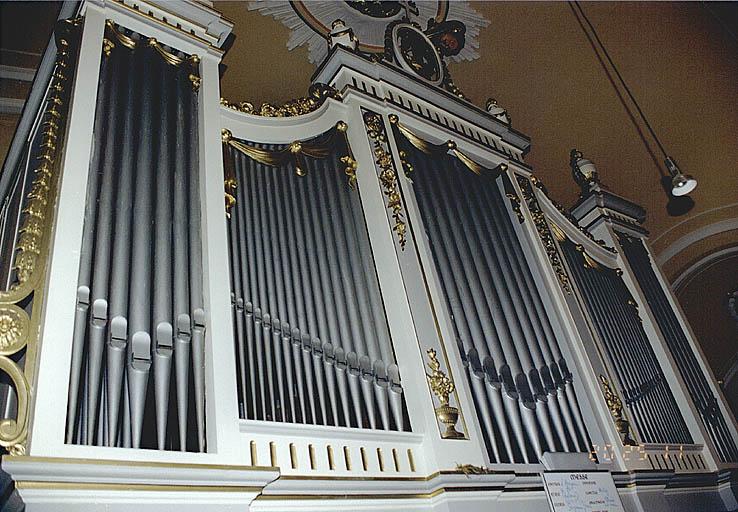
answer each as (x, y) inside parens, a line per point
(415, 53)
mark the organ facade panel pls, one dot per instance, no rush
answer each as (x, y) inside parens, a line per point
(362, 298)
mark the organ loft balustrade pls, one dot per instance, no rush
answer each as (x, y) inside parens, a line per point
(360, 298)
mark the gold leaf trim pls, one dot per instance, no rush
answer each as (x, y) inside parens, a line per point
(387, 174)
(442, 386)
(544, 232)
(615, 405)
(112, 32)
(294, 152)
(14, 432)
(471, 469)
(589, 262)
(568, 216)
(558, 232)
(434, 149)
(317, 95)
(230, 182)
(14, 329)
(17, 331)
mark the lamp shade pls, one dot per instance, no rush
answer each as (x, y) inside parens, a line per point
(681, 184)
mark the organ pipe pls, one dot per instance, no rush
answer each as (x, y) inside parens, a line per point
(616, 320)
(140, 321)
(301, 249)
(684, 356)
(506, 337)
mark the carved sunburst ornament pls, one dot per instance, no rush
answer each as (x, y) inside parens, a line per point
(13, 329)
(310, 22)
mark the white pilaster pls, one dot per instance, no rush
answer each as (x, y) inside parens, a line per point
(48, 420)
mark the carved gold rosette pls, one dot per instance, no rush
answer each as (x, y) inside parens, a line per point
(22, 302)
(544, 233)
(387, 174)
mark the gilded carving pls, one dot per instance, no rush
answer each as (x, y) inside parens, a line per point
(317, 95)
(589, 262)
(17, 330)
(544, 232)
(471, 469)
(442, 386)
(13, 329)
(615, 405)
(387, 174)
(539, 185)
(350, 170)
(113, 33)
(294, 153)
(108, 46)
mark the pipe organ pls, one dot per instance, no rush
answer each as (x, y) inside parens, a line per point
(362, 298)
(139, 314)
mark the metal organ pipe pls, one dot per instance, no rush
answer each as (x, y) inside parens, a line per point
(449, 281)
(163, 348)
(542, 353)
(317, 291)
(305, 311)
(679, 346)
(85, 277)
(140, 270)
(505, 334)
(544, 341)
(490, 275)
(180, 266)
(296, 314)
(649, 400)
(504, 272)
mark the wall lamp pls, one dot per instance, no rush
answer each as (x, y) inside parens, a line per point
(676, 184)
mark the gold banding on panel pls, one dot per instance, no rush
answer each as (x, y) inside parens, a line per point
(96, 486)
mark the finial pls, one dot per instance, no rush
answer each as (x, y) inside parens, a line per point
(342, 35)
(583, 171)
(498, 112)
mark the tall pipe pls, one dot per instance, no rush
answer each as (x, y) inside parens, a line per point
(196, 293)
(163, 348)
(180, 267)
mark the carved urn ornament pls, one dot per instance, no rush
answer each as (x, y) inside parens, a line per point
(442, 386)
(583, 170)
(497, 111)
(343, 35)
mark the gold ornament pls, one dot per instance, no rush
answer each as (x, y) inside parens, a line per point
(442, 386)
